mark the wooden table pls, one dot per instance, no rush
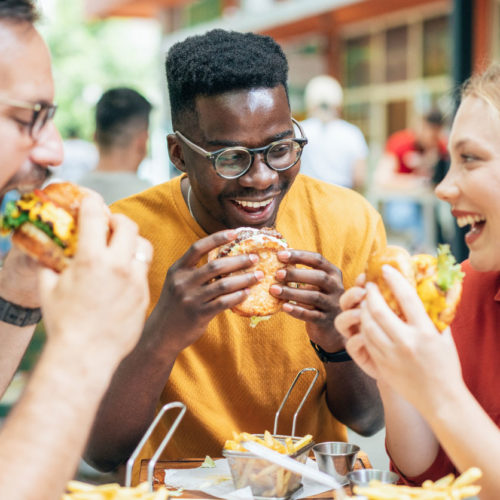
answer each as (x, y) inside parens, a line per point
(362, 462)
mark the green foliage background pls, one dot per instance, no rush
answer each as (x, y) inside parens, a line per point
(92, 56)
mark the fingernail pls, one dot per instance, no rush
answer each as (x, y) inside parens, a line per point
(281, 274)
(230, 235)
(386, 269)
(259, 274)
(276, 289)
(284, 255)
(369, 286)
(287, 307)
(254, 258)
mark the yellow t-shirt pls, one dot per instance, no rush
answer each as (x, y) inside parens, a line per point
(235, 377)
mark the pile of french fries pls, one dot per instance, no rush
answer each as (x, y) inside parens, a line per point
(446, 488)
(264, 478)
(288, 446)
(77, 490)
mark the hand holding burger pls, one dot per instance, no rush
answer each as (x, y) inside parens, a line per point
(265, 243)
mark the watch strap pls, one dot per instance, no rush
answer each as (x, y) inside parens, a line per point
(330, 357)
(17, 315)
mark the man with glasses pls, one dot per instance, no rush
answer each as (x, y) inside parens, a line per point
(93, 312)
(239, 150)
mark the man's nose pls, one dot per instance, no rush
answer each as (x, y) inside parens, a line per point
(48, 148)
(259, 176)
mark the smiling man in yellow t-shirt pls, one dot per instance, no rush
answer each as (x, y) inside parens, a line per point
(240, 151)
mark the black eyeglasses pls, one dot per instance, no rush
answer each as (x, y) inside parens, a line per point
(233, 162)
(42, 113)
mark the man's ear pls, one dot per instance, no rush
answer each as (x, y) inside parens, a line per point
(175, 152)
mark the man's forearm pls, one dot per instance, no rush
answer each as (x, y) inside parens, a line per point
(353, 398)
(14, 341)
(134, 391)
(42, 440)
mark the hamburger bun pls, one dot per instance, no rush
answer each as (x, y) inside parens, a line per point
(265, 243)
(400, 259)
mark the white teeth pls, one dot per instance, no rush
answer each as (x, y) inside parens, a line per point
(469, 220)
(254, 204)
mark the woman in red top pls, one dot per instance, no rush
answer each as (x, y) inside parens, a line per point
(441, 393)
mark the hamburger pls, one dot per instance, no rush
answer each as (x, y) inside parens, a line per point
(265, 243)
(44, 223)
(437, 280)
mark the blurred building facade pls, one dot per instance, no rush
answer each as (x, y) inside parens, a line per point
(393, 57)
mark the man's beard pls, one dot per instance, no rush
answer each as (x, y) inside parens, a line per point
(29, 177)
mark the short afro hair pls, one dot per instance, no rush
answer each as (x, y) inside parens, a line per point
(18, 11)
(221, 61)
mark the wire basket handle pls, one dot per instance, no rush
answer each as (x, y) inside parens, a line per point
(147, 434)
(277, 415)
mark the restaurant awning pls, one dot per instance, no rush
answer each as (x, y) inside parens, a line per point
(130, 8)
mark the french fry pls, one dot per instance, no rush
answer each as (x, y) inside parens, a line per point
(468, 477)
(270, 441)
(305, 440)
(446, 488)
(444, 481)
(77, 490)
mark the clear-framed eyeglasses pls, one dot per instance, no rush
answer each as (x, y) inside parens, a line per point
(42, 113)
(233, 162)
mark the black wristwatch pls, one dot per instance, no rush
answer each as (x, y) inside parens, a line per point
(17, 315)
(330, 357)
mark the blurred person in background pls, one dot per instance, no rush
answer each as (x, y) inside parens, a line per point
(411, 155)
(336, 150)
(408, 167)
(93, 311)
(122, 122)
(80, 157)
(441, 391)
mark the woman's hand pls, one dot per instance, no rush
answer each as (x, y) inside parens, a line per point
(411, 357)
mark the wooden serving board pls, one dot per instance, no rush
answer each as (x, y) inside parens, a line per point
(362, 462)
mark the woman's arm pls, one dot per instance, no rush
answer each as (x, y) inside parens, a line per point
(423, 367)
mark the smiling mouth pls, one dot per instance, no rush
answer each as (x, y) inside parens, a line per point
(253, 206)
(476, 222)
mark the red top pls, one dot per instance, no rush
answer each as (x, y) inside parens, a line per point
(476, 332)
(403, 142)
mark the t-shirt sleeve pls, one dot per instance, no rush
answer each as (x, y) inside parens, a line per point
(438, 469)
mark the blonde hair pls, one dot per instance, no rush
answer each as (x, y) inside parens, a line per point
(485, 86)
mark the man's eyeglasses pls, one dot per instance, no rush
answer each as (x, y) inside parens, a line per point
(233, 162)
(42, 113)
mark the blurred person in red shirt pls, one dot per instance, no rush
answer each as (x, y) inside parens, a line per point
(406, 170)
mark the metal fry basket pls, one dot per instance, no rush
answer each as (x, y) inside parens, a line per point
(163, 444)
(268, 480)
